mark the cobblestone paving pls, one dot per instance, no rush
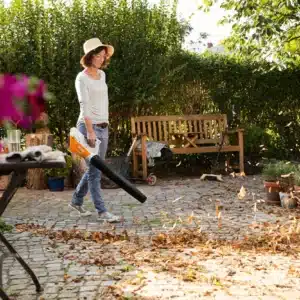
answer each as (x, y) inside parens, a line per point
(255, 277)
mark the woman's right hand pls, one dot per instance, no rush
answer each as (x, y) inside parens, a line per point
(91, 138)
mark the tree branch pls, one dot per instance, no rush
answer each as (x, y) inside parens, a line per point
(293, 38)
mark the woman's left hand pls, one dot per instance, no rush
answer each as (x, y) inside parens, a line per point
(91, 139)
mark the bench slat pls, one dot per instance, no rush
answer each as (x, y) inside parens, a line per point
(189, 126)
(160, 135)
(149, 125)
(144, 127)
(195, 127)
(165, 131)
(139, 129)
(170, 130)
(205, 131)
(180, 126)
(154, 131)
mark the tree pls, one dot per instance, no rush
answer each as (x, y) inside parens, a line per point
(263, 29)
(201, 42)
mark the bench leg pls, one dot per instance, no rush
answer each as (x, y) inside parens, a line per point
(144, 158)
(227, 163)
(145, 168)
(242, 167)
(135, 165)
(241, 152)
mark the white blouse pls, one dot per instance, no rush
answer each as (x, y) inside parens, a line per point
(93, 97)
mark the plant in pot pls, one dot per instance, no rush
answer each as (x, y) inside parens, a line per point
(287, 183)
(271, 183)
(277, 177)
(296, 192)
(297, 179)
(56, 177)
(287, 176)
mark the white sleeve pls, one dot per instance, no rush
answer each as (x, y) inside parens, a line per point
(104, 75)
(83, 96)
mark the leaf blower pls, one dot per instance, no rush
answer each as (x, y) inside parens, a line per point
(79, 146)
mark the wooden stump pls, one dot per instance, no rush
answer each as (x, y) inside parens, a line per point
(4, 180)
(36, 177)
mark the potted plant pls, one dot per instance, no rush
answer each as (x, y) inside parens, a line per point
(56, 177)
(278, 177)
(297, 179)
(287, 176)
(271, 183)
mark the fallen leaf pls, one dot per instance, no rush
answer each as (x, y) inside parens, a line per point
(177, 199)
(66, 277)
(242, 193)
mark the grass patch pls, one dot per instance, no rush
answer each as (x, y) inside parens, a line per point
(130, 205)
(4, 227)
(127, 268)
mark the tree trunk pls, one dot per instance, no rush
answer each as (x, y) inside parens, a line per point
(36, 177)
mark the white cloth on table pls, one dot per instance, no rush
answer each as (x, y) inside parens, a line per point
(36, 153)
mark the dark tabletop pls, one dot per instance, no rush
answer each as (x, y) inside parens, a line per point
(7, 167)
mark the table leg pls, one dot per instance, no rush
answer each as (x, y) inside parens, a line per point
(3, 295)
(15, 182)
(15, 254)
(3, 256)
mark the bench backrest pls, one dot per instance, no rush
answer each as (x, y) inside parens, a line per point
(162, 128)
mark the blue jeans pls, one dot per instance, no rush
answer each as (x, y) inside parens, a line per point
(91, 180)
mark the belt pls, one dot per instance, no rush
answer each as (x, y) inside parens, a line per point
(102, 125)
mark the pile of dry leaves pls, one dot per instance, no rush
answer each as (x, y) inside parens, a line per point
(73, 234)
(266, 237)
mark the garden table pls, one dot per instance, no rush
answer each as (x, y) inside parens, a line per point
(18, 171)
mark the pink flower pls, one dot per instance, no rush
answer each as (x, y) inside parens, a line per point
(37, 100)
(20, 87)
(8, 109)
(22, 99)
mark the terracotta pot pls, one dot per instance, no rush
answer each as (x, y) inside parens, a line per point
(272, 190)
(287, 201)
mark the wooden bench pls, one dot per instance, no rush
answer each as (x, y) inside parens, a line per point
(184, 135)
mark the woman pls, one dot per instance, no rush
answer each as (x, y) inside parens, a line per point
(93, 122)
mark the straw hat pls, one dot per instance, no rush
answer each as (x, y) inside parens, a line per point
(94, 43)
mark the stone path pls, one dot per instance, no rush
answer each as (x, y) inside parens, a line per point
(175, 203)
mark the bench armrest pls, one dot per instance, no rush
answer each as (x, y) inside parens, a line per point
(226, 132)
